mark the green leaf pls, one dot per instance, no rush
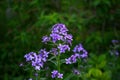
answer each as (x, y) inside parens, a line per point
(69, 77)
(107, 2)
(102, 57)
(95, 72)
(106, 75)
(62, 61)
(43, 79)
(102, 64)
(96, 2)
(101, 61)
(51, 58)
(54, 62)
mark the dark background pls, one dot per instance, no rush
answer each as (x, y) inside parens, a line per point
(94, 23)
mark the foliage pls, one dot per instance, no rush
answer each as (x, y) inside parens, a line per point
(94, 23)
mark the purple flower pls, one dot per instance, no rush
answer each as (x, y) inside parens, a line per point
(68, 38)
(45, 39)
(116, 53)
(60, 75)
(115, 41)
(54, 51)
(21, 64)
(37, 61)
(75, 71)
(55, 37)
(59, 29)
(36, 74)
(72, 59)
(68, 61)
(77, 55)
(84, 54)
(63, 48)
(59, 32)
(80, 50)
(30, 56)
(56, 74)
(37, 67)
(40, 59)
(43, 53)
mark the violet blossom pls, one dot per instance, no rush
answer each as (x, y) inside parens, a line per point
(56, 74)
(54, 51)
(75, 71)
(72, 59)
(59, 33)
(37, 60)
(45, 39)
(80, 50)
(63, 48)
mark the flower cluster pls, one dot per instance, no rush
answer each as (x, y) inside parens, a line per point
(37, 61)
(115, 48)
(61, 41)
(72, 59)
(30, 56)
(56, 74)
(115, 41)
(79, 51)
(63, 48)
(58, 33)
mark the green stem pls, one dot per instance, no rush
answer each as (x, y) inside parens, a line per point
(31, 74)
(38, 75)
(36, 78)
(58, 62)
(78, 67)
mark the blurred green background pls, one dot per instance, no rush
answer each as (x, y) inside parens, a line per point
(94, 23)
